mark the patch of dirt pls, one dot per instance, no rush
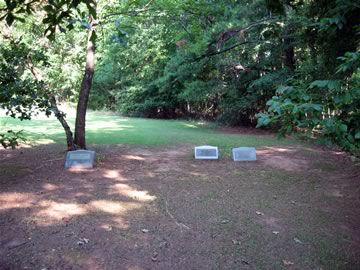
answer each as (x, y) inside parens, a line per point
(158, 208)
(283, 158)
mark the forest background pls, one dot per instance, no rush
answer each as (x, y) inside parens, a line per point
(291, 65)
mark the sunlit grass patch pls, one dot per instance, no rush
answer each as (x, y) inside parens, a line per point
(108, 128)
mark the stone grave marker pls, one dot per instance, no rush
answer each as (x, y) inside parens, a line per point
(206, 152)
(80, 159)
(244, 154)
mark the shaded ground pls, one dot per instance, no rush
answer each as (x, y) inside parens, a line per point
(157, 208)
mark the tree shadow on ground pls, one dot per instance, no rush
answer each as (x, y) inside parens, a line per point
(155, 208)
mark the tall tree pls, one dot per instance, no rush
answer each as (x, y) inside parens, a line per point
(80, 138)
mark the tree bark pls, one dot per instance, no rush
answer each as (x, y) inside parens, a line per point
(80, 139)
(61, 117)
(289, 50)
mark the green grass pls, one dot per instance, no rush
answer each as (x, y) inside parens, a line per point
(106, 128)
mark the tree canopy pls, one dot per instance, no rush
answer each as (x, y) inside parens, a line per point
(289, 64)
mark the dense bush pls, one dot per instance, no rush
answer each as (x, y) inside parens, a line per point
(328, 109)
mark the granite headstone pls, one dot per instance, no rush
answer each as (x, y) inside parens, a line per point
(80, 159)
(206, 152)
(244, 154)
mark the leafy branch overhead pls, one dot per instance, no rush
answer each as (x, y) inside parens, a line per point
(57, 12)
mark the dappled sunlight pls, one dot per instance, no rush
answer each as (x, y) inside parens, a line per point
(115, 174)
(77, 169)
(146, 202)
(135, 268)
(132, 157)
(53, 212)
(81, 194)
(105, 131)
(109, 128)
(30, 143)
(107, 125)
(50, 212)
(50, 187)
(275, 149)
(42, 142)
(197, 174)
(190, 125)
(142, 196)
(48, 208)
(42, 127)
(94, 115)
(113, 207)
(6, 153)
(111, 174)
(10, 200)
(150, 174)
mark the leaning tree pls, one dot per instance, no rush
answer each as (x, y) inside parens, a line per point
(58, 16)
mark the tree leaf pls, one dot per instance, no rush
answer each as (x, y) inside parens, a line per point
(343, 127)
(319, 83)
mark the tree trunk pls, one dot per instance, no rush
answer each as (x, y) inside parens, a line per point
(61, 117)
(289, 51)
(54, 108)
(80, 139)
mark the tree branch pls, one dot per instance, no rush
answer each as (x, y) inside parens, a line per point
(222, 51)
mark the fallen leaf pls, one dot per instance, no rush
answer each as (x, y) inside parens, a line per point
(164, 244)
(275, 232)
(108, 228)
(259, 213)
(298, 240)
(235, 242)
(287, 263)
(154, 257)
(82, 241)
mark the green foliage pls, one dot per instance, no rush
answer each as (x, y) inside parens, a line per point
(11, 138)
(329, 109)
(289, 64)
(20, 95)
(59, 14)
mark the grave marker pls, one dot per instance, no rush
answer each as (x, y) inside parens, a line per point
(80, 159)
(206, 152)
(244, 154)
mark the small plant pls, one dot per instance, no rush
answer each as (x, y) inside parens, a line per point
(11, 138)
(100, 158)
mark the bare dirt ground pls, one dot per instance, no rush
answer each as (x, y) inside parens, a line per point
(157, 208)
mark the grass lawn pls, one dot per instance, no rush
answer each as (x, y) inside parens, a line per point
(107, 128)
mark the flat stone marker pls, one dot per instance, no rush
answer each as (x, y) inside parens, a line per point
(206, 152)
(80, 159)
(244, 154)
